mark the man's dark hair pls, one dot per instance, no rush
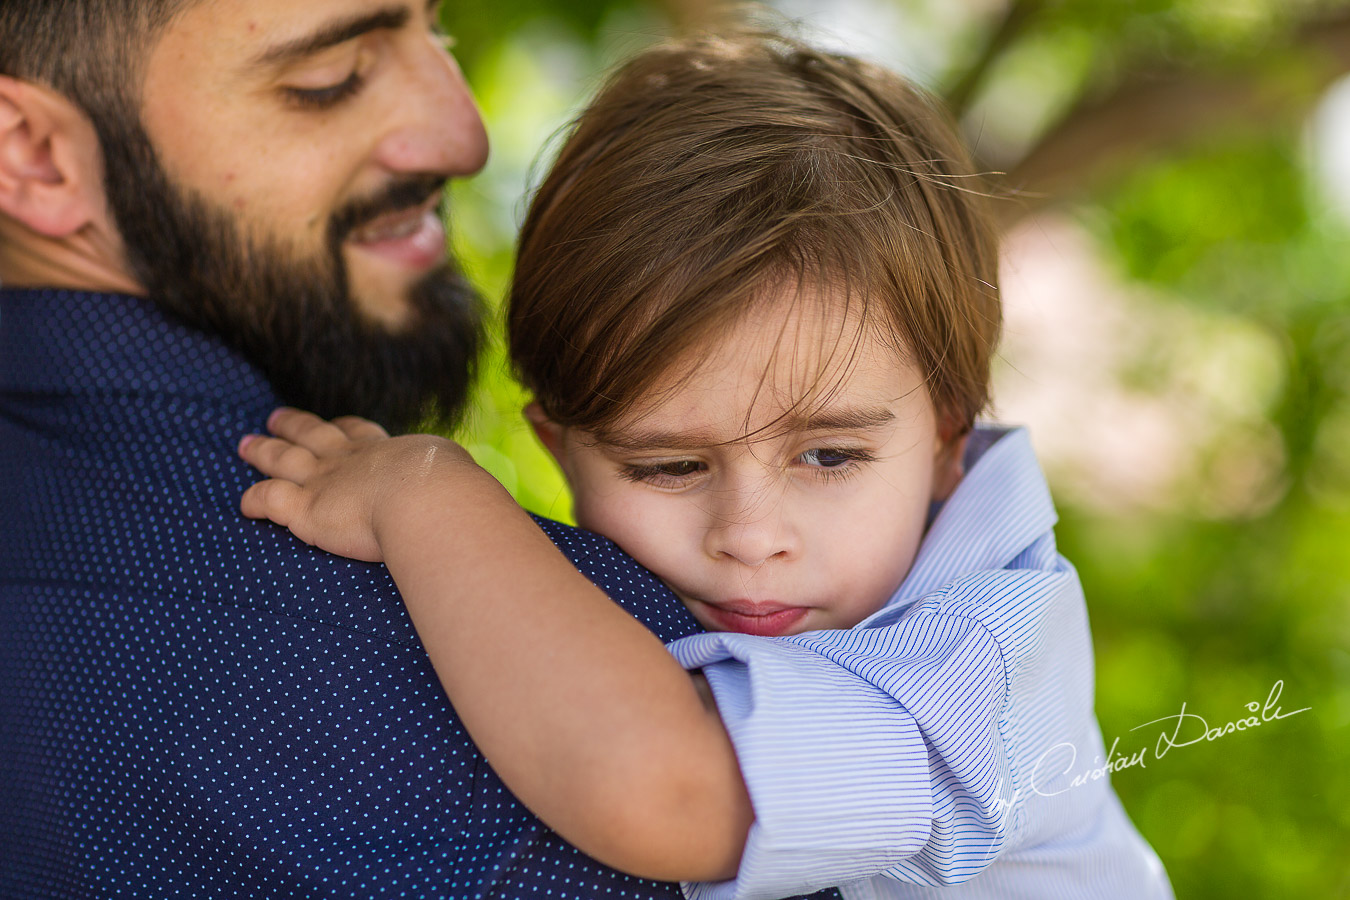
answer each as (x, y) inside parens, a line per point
(92, 51)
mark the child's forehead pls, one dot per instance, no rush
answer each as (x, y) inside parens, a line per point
(781, 367)
(792, 342)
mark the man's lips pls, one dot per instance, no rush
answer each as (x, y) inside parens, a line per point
(414, 237)
(751, 617)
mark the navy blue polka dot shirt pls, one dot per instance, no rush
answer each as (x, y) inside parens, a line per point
(197, 705)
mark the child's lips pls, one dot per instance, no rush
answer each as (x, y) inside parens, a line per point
(765, 618)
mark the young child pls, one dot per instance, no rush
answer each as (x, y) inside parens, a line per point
(755, 304)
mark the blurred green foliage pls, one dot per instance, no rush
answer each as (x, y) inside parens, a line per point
(1192, 603)
(1213, 613)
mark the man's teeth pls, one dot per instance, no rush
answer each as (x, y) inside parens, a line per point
(403, 226)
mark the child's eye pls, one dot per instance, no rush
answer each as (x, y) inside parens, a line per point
(663, 473)
(828, 457)
(834, 462)
(329, 96)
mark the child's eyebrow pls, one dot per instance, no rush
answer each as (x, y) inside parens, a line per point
(638, 440)
(845, 419)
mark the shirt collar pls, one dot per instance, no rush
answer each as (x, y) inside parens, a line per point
(76, 342)
(999, 508)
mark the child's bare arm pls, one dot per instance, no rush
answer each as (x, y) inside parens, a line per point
(578, 707)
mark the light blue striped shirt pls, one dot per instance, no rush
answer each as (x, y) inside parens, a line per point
(937, 749)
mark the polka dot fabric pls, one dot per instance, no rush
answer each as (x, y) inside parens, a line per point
(196, 705)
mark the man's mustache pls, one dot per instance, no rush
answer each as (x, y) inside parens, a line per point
(406, 193)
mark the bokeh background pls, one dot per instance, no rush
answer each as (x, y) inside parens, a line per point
(1176, 216)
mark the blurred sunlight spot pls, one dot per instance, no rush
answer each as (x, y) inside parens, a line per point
(1329, 481)
(528, 90)
(1127, 394)
(1235, 20)
(1030, 87)
(912, 40)
(1329, 146)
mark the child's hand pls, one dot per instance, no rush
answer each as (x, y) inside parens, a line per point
(330, 482)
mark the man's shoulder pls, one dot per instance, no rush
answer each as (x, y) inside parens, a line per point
(137, 496)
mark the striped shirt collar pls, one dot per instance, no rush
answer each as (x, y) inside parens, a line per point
(999, 508)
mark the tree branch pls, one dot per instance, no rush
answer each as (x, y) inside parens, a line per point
(1018, 15)
(1153, 110)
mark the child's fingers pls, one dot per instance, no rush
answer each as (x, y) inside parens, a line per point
(317, 435)
(297, 509)
(359, 429)
(280, 501)
(277, 457)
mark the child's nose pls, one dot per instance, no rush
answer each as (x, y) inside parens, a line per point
(752, 534)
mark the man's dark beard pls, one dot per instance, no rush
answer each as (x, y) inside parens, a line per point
(294, 316)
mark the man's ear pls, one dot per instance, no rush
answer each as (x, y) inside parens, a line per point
(549, 432)
(949, 460)
(50, 164)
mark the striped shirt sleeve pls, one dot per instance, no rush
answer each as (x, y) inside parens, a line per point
(881, 750)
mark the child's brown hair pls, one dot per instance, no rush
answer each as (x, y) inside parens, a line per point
(709, 172)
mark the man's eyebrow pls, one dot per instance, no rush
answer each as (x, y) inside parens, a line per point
(845, 419)
(332, 34)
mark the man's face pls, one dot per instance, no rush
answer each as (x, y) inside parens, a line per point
(285, 189)
(285, 111)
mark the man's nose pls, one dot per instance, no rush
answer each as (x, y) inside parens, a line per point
(752, 527)
(439, 129)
